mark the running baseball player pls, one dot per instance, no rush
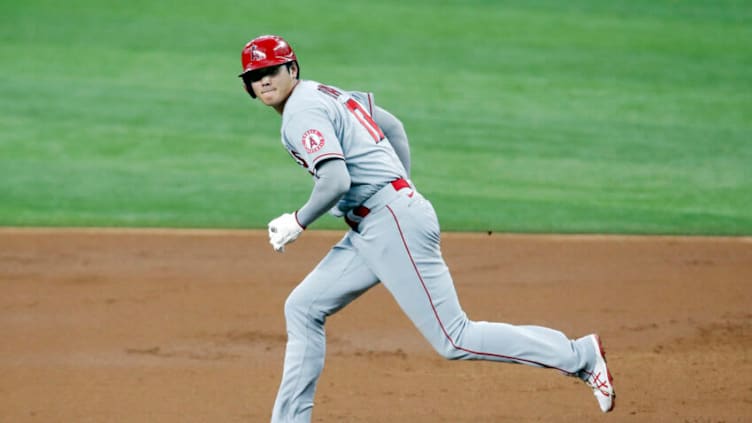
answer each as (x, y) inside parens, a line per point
(359, 158)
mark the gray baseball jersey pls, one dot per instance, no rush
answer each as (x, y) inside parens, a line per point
(394, 240)
(321, 122)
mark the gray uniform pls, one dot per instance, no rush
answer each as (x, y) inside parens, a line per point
(322, 123)
(394, 240)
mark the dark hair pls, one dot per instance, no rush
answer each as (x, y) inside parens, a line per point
(289, 65)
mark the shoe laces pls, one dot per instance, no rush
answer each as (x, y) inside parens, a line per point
(594, 380)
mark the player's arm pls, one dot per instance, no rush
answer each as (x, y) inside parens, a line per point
(332, 181)
(395, 131)
(311, 140)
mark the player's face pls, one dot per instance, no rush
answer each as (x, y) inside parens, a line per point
(274, 84)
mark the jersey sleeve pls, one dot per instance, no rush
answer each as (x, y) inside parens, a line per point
(311, 139)
(366, 99)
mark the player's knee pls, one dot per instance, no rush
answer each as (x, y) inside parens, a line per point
(295, 307)
(450, 351)
(300, 308)
(448, 343)
(454, 353)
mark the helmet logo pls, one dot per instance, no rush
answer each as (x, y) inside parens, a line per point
(257, 54)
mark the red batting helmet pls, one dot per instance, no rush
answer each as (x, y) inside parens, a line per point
(263, 52)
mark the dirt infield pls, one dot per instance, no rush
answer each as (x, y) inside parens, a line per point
(187, 326)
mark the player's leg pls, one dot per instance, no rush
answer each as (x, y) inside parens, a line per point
(336, 281)
(401, 244)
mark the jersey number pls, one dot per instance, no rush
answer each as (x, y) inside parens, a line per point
(360, 114)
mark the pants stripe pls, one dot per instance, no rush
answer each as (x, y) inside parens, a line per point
(438, 318)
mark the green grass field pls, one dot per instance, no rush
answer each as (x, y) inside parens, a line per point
(524, 116)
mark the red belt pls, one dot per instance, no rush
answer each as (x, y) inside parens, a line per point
(363, 211)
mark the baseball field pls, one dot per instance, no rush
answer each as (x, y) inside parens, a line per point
(589, 162)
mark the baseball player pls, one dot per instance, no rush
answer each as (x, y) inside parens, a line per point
(359, 158)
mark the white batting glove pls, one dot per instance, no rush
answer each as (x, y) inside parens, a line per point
(284, 230)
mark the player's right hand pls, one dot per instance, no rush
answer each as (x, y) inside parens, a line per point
(284, 230)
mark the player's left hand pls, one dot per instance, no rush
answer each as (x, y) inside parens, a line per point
(284, 230)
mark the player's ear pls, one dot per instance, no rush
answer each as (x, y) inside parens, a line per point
(294, 69)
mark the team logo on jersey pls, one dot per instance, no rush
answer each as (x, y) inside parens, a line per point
(313, 141)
